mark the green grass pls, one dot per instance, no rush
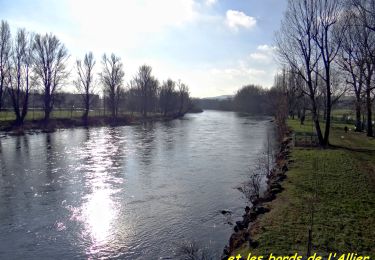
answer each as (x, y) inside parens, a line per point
(338, 137)
(31, 115)
(344, 217)
(6, 116)
(341, 112)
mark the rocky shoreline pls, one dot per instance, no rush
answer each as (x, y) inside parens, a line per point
(241, 234)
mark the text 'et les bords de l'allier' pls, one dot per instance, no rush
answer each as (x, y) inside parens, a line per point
(296, 256)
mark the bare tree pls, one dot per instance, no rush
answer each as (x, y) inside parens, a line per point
(148, 86)
(112, 78)
(85, 81)
(19, 75)
(364, 11)
(328, 13)
(184, 98)
(132, 96)
(350, 59)
(305, 43)
(5, 47)
(167, 97)
(50, 66)
(277, 97)
(367, 47)
(296, 48)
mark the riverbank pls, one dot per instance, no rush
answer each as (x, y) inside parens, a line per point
(259, 206)
(39, 125)
(336, 186)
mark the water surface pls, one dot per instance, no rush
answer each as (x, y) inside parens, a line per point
(132, 192)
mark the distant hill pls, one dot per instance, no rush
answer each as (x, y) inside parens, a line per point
(222, 97)
(223, 102)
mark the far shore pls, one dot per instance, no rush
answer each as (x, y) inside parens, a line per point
(39, 125)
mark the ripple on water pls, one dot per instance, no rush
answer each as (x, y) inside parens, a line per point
(129, 192)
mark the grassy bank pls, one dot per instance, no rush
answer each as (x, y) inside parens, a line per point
(337, 185)
(70, 119)
(8, 116)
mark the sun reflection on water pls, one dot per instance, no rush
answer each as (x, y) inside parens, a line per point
(99, 210)
(99, 213)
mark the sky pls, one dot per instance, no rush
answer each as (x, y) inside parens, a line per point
(214, 46)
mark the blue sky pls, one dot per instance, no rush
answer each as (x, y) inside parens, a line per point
(215, 46)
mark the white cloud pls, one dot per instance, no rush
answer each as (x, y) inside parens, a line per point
(258, 56)
(210, 2)
(266, 48)
(116, 24)
(236, 19)
(264, 54)
(242, 74)
(258, 68)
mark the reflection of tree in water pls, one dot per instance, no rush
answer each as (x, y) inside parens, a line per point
(16, 182)
(50, 160)
(168, 129)
(115, 150)
(49, 184)
(145, 135)
(194, 251)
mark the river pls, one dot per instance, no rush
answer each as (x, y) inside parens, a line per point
(131, 192)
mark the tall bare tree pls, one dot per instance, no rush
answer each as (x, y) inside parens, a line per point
(112, 78)
(305, 43)
(19, 74)
(148, 86)
(5, 47)
(350, 59)
(167, 96)
(367, 46)
(85, 81)
(297, 49)
(50, 66)
(184, 98)
(328, 13)
(365, 12)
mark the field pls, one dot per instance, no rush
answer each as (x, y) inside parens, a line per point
(56, 114)
(331, 190)
(73, 118)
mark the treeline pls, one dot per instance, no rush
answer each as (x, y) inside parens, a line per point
(251, 99)
(327, 50)
(63, 101)
(36, 65)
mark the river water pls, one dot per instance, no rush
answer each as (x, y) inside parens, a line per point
(131, 192)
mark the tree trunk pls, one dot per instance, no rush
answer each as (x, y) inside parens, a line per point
(2, 79)
(112, 105)
(25, 106)
(46, 115)
(18, 121)
(328, 105)
(369, 112)
(113, 112)
(47, 104)
(358, 123)
(1, 97)
(87, 108)
(317, 124)
(328, 121)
